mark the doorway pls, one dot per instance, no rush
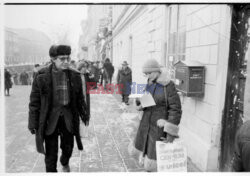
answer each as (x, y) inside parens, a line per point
(236, 78)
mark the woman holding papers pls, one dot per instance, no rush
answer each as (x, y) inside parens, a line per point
(161, 108)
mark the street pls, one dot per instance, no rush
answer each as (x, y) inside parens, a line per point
(105, 145)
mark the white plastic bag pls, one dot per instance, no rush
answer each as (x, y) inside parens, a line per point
(171, 157)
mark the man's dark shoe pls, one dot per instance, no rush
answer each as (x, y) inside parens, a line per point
(66, 168)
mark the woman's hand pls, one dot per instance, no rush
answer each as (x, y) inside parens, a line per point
(139, 108)
(168, 139)
(161, 123)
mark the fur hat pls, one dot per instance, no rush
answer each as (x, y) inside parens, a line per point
(63, 50)
(52, 51)
(57, 50)
(151, 65)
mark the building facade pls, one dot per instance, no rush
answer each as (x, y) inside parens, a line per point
(94, 42)
(25, 46)
(203, 33)
(11, 48)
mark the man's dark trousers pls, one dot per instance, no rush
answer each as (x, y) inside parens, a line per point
(51, 146)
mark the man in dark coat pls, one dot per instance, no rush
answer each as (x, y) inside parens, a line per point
(124, 79)
(24, 78)
(35, 70)
(108, 71)
(88, 80)
(93, 70)
(56, 103)
(7, 81)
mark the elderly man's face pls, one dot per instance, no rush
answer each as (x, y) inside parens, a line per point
(61, 62)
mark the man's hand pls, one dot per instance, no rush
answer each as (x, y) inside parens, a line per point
(33, 131)
(139, 108)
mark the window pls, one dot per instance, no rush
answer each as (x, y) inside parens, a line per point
(177, 36)
(177, 33)
(130, 50)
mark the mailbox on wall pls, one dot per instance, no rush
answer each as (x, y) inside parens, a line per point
(190, 78)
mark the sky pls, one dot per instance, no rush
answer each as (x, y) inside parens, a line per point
(51, 19)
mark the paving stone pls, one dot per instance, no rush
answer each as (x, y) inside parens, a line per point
(137, 170)
(39, 169)
(111, 159)
(118, 167)
(90, 158)
(132, 164)
(91, 167)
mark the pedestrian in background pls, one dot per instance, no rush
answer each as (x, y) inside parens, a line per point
(7, 82)
(108, 71)
(99, 67)
(166, 113)
(93, 70)
(35, 70)
(56, 106)
(96, 73)
(15, 78)
(124, 79)
(24, 78)
(73, 64)
(87, 78)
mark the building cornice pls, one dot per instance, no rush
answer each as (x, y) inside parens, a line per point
(121, 15)
(128, 19)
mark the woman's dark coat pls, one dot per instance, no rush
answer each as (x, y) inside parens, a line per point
(41, 104)
(24, 78)
(148, 132)
(108, 70)
(7, 79)
(124, 78)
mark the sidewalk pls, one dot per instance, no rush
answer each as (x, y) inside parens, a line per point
(111, 129)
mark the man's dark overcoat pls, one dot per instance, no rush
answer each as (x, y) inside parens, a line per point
(41, 104)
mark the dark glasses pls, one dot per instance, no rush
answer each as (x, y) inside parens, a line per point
(63, 58)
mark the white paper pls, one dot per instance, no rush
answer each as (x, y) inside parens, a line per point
(135, 95)
(147, 100)
(171, 157)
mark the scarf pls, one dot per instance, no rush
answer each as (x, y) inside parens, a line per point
(61, 86)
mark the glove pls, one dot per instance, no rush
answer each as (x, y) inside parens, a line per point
(33, 131)
(138, 102)
(168, 139)
(139, 108)
(161, 123)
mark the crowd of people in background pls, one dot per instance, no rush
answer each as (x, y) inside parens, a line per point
(101, 70)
